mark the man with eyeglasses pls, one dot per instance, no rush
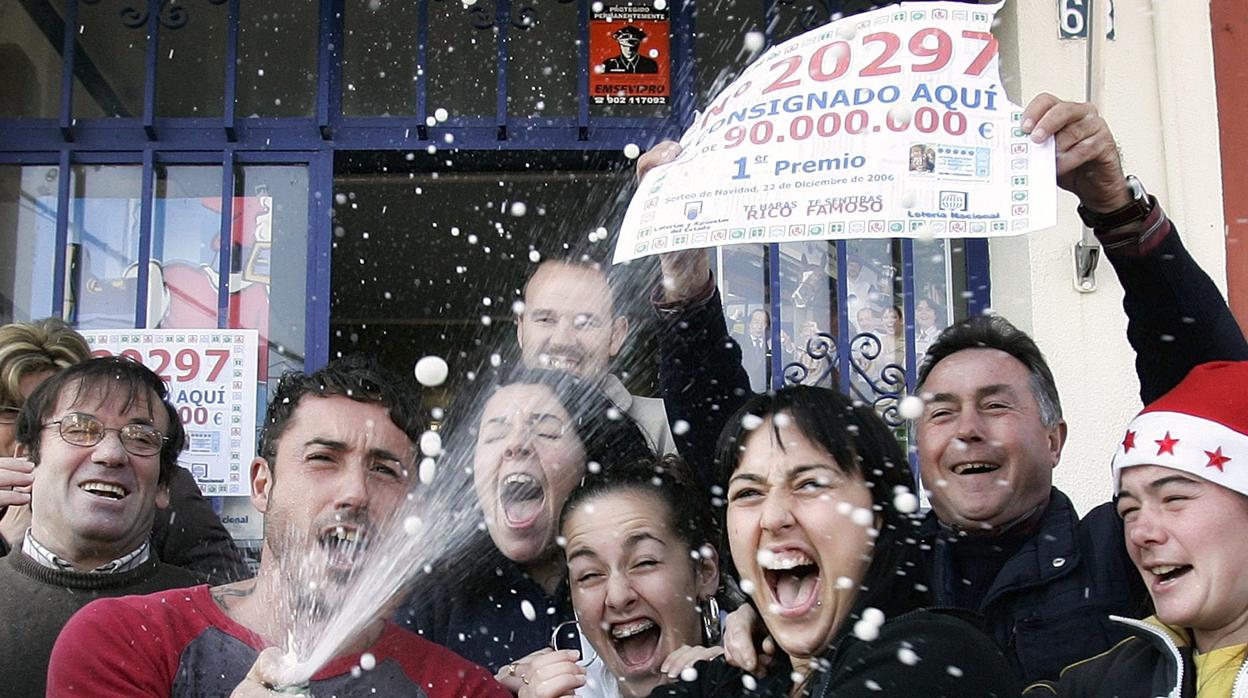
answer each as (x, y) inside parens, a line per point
(187, 534)
(336, 460)
(104, 441)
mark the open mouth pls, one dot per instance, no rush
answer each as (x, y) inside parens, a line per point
(1167, 574)
(636, 641)
(793, 579)
(560, 358)
(974, 468)
(343, 545)
(105, 490)
(521, 496)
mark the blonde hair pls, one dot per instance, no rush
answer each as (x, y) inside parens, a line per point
(34, 347)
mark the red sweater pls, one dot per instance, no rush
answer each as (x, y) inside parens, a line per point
(180, 643)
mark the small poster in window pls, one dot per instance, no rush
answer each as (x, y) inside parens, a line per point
(629, 55)
(211, 376)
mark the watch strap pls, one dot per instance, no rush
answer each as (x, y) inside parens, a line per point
(1137, 210)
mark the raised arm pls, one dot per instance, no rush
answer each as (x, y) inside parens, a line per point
(1176, 316)
(699, 363)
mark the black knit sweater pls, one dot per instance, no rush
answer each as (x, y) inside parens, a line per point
(37, 601)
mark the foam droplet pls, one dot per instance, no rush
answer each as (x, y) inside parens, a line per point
(535, 256)
(431, 443)
(519, 208)
(632, 151)
(427, 469)
(874, 616)
(906, 656)
(905, 502)
(411, 525)
(440, 114)
(863, 516)
(431, 371)
(367, 661)
(747, 586)
(527, 609)
(680, 427)
(750, 422)
(910, 407)
(867, 632)
(754, 41)
(689, 673)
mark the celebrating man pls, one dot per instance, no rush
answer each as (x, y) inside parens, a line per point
(336, 460)
(104, 441)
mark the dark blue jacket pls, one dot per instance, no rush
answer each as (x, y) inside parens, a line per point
(492, 619)
(1048, 614)
(1050, 603)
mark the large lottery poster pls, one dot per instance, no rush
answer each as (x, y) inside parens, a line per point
(890, 123)
(211, 376)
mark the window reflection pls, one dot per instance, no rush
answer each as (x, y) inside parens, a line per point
(186, 229)
(108, 62)
(190, 73)
(461, 36)
(103, 248)
(32, 63)
(269, 262)
(379, 58)
(28, 217)
(543, 59)
(277, 58)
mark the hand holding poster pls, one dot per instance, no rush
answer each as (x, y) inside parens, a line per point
(889, 123)
(211, 376)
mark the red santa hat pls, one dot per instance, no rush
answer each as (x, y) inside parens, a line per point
(1199, 427)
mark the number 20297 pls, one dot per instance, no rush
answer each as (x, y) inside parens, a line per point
(181, 366)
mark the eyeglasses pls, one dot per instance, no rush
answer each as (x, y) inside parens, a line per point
(8, 415)
(84, 430)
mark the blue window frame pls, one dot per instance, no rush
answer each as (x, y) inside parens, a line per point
(229, 140)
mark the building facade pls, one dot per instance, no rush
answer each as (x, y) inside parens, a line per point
(373, 175)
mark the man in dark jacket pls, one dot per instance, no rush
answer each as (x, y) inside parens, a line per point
(1016, 552)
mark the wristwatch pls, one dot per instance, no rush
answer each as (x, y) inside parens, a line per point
(1141, 205)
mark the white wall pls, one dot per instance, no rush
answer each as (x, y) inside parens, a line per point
(1159, 101)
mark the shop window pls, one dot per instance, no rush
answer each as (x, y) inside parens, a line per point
(30, 51)
(431, 263)
(277, 70)
(27, 233)
(379, 73)
(190, 72)
(109, 52)
(269, 263)
(543, 59)
(186, 233)
(102, 257)
(462, 64)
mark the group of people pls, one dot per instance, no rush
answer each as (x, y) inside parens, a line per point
(716, 541)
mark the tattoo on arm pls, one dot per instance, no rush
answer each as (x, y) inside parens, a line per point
(226, 595)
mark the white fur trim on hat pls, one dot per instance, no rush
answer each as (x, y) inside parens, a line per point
(1180, 441)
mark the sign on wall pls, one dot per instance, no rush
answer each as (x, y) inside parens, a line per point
(629, 54)
(211, 376)
(1073, 23)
